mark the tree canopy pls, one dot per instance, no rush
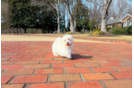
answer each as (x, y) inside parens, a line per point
(51, 15)
(28, 16)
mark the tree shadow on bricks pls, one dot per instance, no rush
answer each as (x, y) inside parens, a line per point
(81, 57)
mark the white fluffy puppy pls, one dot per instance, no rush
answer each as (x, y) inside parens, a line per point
(63, 46)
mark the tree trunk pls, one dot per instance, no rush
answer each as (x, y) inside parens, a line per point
(25, 31)
(71, 25)
(58, 21)
(58, 17)
(64, 19)
(104, 17)
(8, 27)
(19, 30)
(9, 30)
(70, 17)
(75, 24)
(103, 22)
(75, 17)
(34, 31)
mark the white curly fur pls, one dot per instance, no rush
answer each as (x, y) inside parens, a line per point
(63, 46)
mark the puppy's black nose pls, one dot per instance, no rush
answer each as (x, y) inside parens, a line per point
(67, 42)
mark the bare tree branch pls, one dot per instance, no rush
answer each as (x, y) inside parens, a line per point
(94, 2)
(51, 4)
(54, 13)
(67, 6)
(38, 3)
(108, 5)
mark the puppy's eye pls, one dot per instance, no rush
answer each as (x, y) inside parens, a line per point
(64, 40)
(68, 39)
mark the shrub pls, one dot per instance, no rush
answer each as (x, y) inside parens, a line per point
(108, 29)
(29, 30)
(96, 33)
(60, 33)
(118, 30)
(128, 30)
(67, 32)
(38, 30)
(98, 29)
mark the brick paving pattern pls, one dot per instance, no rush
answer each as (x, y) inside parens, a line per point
(31, 64)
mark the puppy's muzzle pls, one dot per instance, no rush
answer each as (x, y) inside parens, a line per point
(68, 44)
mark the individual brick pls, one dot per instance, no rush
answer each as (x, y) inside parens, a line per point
(89, 84)
(37, 66)
(11, 66)
(15, 56)
(117, 58)
(13, 86)
(113, 61)
(50, 56)
(2, 70)
(126, 63)
(60, 59)
(80, 58)
(51, 62)
(20, 59)
(49, 71)
(62, 65)
(64, 77)
(122, 75)
(4, 59)
(5, 79)
(77, 70)
(6, 54)
(35, 56)
(94, 61)
(18, 72)
(110, 65)
(46, 85)
(87, 65)
(118, 83)
(97, 76)
(73, 61)
(96, 58)
(7, 62)
(103, 69)
(30, 79)
(42, 59)
(28, 62)
(124, 68)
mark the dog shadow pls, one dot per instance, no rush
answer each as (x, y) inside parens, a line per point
(78, 56)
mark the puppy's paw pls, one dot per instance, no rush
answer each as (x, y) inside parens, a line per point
(69, 57)
(56, 54)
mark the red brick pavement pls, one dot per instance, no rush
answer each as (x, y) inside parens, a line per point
(94, 65)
